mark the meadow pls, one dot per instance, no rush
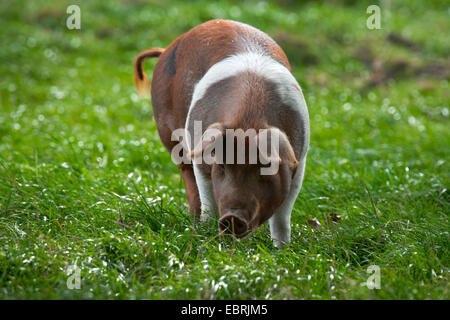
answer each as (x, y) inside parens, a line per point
(86, 182)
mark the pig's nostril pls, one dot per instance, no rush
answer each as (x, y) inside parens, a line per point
(233, 225)
(225, 225)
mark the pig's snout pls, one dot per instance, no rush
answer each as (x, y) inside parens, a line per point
(234, 223)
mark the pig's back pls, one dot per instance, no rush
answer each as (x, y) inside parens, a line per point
(190, 56)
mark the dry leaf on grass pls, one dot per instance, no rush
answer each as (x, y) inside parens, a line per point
(332, 217)
(335, 217)
(315, 223)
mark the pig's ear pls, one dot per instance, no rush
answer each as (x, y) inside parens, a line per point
(283, 153)
(287, 153)
(211, 134)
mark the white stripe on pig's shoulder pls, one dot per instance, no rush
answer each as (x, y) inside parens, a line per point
(261, 64)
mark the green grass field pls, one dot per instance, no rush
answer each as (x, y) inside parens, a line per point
(85, 180)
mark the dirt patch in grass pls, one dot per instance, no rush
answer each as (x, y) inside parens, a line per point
(383, 69)
(402, 42)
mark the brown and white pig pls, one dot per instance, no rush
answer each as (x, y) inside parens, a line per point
(229, 75)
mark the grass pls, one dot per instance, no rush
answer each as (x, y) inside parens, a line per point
(84, 178)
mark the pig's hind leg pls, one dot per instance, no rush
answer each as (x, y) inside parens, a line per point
(192, 195)
(280, 222)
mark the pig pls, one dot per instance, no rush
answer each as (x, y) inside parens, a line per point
(230, 76)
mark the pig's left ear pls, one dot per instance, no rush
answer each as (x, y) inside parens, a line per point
(287, 154)
(211, 134)
(285, 151)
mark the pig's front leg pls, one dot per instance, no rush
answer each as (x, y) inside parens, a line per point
(208, 202)
(280, 222)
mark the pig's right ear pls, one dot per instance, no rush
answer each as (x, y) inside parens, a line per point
(209, 137)
(281, 150)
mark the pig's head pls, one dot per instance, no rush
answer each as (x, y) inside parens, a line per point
(248, 188)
